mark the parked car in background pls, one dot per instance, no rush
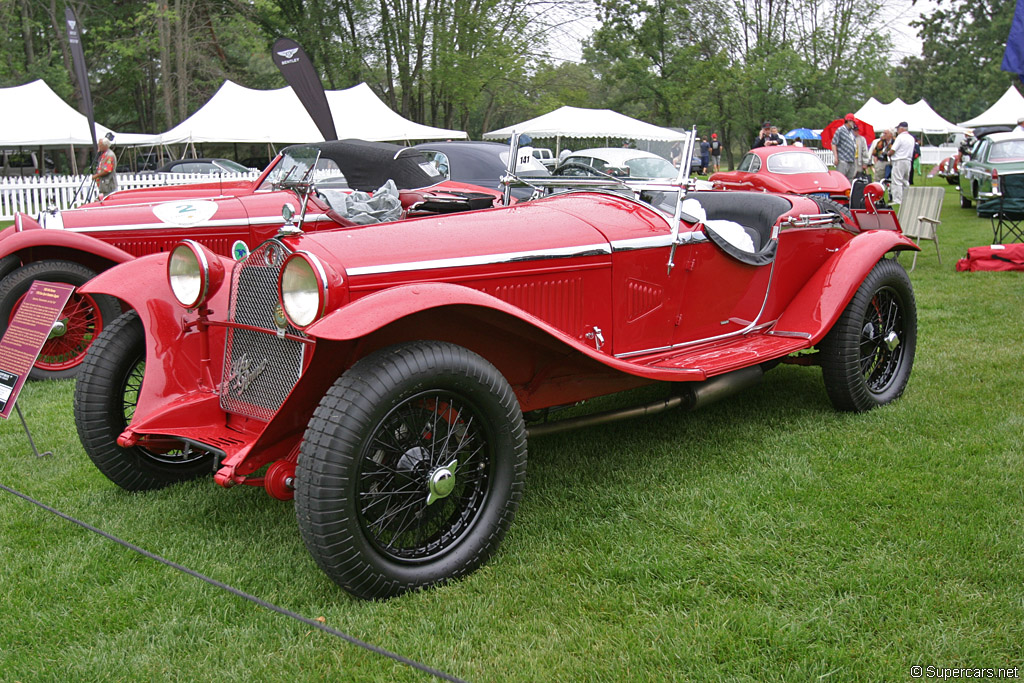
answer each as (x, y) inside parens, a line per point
(995, 155)
(203, 166)
(786, 169)
(19, 164)
(387, 376)
(227, 216)
(481, 163)
(129, 163)
(621, 162)
(545, 156)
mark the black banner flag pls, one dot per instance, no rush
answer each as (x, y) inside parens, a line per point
(81, 73)
(299, 73)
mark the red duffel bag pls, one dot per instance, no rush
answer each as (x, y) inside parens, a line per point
(995, 257)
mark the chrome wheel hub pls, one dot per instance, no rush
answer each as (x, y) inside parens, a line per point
(892, 340)
(441, 482)
(59, 329)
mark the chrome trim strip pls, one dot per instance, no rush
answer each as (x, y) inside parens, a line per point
(788, 333)
(642, 243)
(262, 220)
(657, 241)
(485, 259)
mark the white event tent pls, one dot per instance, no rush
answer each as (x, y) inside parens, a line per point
(35, 116)
(574, 122)
(1005, 111)
(239, 114)
(920, 117)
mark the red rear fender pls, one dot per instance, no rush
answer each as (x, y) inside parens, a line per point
(821, 301)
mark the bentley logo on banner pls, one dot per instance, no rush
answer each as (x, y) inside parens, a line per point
(299, 73)
(81, 73)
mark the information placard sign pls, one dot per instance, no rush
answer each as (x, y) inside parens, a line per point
(29, 329)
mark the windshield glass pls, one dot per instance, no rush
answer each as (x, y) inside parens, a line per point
(296, 161)
(796, 162)
(651, 167)
(232, 166)
(1007, 150)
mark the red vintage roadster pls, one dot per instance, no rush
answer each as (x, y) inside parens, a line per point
(387, 376)
(796, 170)
(71, 246)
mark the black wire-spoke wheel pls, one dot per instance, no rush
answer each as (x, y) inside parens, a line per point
(410, 470)
(423, 476)
(868, 354)
(880, 340)
(106, 394)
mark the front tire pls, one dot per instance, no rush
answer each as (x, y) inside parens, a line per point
(411, 469)
(83, 316)
(868, 354)
(106, 394)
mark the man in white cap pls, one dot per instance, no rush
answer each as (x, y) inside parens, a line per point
(1020, 126)
(901, 158)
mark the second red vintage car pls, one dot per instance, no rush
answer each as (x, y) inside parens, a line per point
(226, 216)
(787, 170)
(387, 376)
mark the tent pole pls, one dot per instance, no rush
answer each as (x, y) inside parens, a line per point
(74, 161)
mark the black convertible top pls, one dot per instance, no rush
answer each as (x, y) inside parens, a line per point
(368, 165)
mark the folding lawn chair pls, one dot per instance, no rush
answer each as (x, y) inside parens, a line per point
(1006, 210)
(919, 216)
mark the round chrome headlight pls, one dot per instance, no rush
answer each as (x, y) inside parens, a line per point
(303, 289)
(193, 273)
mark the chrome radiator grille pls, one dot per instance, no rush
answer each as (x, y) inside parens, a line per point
(260, 367)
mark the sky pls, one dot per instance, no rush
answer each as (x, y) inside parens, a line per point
(896, 17)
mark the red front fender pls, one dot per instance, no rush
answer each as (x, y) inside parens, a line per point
(821, 301)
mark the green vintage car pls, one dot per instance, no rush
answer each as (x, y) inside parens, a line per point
(993, 157)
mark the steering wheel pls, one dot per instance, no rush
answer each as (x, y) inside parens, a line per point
(578, 168)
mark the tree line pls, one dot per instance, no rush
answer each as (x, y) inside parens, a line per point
(478, 65)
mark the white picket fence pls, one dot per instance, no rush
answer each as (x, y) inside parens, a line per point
(929, 155)
(826, 156)
(31, 195)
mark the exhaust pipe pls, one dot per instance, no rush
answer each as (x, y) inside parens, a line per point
(695, 396)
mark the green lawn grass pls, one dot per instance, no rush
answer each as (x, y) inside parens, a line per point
(766, 538)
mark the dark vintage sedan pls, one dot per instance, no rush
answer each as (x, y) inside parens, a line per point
(785, 169)
(203, 166)
(387, 376)
(482, 163)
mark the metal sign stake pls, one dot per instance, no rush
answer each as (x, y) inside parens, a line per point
(29, 434)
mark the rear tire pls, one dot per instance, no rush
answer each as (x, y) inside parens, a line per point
(868, 354)
(411, 469)
(84, 315)
(106, 394)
